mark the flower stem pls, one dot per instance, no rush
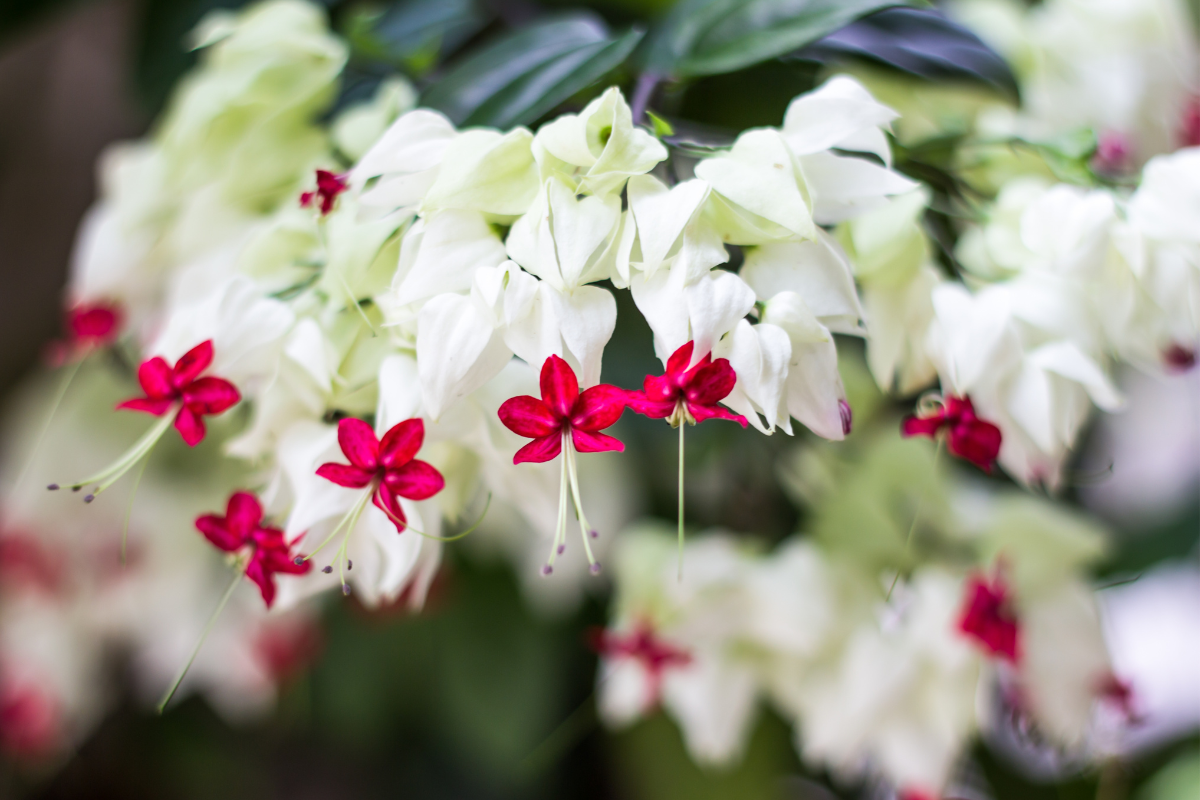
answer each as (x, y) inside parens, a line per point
(584, 527)
(233, 584)
(140, 449)
(58, 398)
(913, 527)
(680, 514)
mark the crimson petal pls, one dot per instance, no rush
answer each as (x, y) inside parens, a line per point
(387, 502)
(401, 443)
(700, 413)
(358, 443)
(154, 376)
(256, 572)
(540, 450)
(190, 426)
(922, 426)
(678, 363)
(147, 405)
(345, 475)
(560, 387)
(214, 529)
(211, 395)
(416, 480)
(644, 405)
(710, 383)
(598, 407)
(528, 416)
(588, 442)
(243, 514)
(977, 441)
(192, 363)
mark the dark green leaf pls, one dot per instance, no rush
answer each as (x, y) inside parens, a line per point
(708, 37)
(415, 34)
(920, 42)
(527, 73)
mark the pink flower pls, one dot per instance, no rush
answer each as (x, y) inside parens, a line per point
(1179, 358)
(329, 186)
(241, 529)
(30, 721)
(563, 409)
(88, 326)
(181, 387)
(653, 654)
(987, 617)
(387, 464)
(94, 324)
(1189, 128)
(689, 395)
(967, 436)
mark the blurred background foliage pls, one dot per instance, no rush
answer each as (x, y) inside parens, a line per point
(479, 697)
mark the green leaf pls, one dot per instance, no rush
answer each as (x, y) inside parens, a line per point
(709, 37)
(526, 74)
(414, 34)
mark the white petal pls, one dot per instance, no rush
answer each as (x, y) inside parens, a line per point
(843, 186)
(444, 254)
(458, 350)
(715, 304)
(587, 317)
(816, 270)
(839, 112)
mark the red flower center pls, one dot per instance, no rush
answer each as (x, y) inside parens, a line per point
(642, 645)
(686, 394)
(329, 186)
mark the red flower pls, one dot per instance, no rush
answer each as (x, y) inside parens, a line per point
(968, 436)
(242, 528)
(1189, 129)
(684, 394)
(987, 617)
(30, 721)
(386, 463)
(329, 186)
(563, 408)
(182, 387)
(94, 324)
(641, 644)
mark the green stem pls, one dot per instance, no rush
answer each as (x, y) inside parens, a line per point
(58, 398)
(110, 475)
(233, 584)
(584, 527)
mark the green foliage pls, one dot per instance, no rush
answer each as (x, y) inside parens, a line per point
(708, 37)
(525, 74)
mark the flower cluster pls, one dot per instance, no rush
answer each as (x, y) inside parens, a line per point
(377, 323)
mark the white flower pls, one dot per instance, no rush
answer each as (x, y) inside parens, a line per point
(597, 149)
(404, 163)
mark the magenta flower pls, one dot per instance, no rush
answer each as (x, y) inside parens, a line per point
(181, 387)
(988, 618)
(688, 395)
(967, 436)
(329, 186)
(565, 415)
(387, 465)
(563, 410)
(241, 530)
